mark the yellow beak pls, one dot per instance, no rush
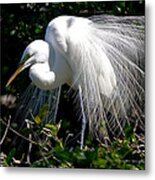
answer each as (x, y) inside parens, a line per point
(20, 68)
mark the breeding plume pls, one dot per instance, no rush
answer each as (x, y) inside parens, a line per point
(101, 59)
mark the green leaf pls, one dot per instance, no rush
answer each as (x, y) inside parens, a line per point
(37, 120)
(8, 159)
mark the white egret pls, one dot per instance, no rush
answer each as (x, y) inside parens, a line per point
(103, 58)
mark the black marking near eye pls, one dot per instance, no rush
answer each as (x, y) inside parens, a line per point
(27, 56)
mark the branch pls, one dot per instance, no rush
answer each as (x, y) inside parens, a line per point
(6, 130)
(18, 134)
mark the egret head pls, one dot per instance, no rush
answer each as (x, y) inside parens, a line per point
(36, 52)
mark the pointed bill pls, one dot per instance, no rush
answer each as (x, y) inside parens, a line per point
(20, 68)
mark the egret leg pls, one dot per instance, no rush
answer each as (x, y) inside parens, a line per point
(83, 118)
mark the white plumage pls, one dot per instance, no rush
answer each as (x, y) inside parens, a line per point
(103, 58)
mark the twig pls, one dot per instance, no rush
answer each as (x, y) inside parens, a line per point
(30, 143)
(20, 135)
(40, 149)
(29, 140)
(6, 130)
